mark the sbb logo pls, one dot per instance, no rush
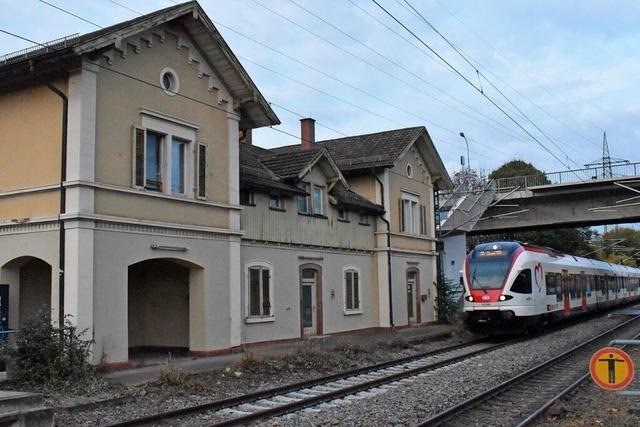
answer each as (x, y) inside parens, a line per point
(485, 298)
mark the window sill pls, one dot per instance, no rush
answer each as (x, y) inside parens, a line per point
(364, 223)
(343, 220)
(248, 204)
(271, 208)
(313, 215)
(352, 312)
(264, 319)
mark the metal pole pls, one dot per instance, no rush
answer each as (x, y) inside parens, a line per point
(467, 143)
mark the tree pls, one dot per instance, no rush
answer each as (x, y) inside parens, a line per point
(515, 168)
(575, 241)
(472, 179)
(631, 241)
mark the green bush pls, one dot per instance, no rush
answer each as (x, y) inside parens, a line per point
(42, 355)
(447, 305)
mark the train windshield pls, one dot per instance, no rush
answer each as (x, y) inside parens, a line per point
(489, 264)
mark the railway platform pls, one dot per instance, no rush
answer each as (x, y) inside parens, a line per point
(147, 368)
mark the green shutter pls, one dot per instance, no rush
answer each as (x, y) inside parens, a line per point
(201, 174)
(138, 157)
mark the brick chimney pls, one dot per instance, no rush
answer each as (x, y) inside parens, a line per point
(307, 133)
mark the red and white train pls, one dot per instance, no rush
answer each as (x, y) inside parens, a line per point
(512, 286)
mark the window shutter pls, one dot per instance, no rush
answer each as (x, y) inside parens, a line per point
(139, 162)
(401, 210)
(201, 172)
(423, 219)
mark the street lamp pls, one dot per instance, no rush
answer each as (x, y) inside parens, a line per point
(467, 142)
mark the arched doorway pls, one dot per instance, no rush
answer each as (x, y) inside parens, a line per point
(159, 306)
(29, 282)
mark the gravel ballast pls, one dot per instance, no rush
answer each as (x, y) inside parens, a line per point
(176, 390)
(413, 400)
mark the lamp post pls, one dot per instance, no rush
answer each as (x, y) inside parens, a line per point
(466, 142)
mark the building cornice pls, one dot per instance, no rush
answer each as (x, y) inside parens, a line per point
(129, 190)
(144, 226)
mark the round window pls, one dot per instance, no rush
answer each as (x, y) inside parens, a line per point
(410, 171)
(169, 81)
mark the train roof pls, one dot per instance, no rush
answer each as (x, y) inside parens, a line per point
(564, 259)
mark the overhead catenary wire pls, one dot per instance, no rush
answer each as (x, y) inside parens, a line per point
(310, 87)
(157, 86)
(529, 76)
(482, 76)
(462, 76)
(393, 76)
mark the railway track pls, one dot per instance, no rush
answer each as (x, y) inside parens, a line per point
(521, 399)
(294, 397)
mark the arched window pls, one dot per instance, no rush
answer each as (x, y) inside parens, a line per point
(259, 291)
(351, 279)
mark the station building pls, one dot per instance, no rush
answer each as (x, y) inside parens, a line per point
(133, 201)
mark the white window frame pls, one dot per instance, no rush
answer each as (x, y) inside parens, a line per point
(247, 285)
(185, 168)
(305, 186)
(172, 128)
(313, 202)
(351, 311)
(280, 204)
(411, 220)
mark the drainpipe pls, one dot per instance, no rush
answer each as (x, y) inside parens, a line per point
(388, 252)
(63, 201)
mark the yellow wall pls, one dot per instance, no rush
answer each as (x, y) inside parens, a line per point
(118, 110)
(30, 137)
(153, 208)
(29, 205)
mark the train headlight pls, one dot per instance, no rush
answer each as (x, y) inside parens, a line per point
(469, 298)
(505, 297)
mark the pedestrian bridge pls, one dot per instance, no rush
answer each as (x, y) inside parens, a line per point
(576, 198)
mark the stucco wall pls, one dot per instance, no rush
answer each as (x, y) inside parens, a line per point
(30, 138)
(32, 243)
(286, 299)
(120, 99)
(153, 208)
(30, 131)
(419, 185)
(427, 273)
(209, 304)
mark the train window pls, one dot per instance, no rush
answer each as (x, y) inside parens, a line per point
(560, 284)
(550, 278)
(522, 283)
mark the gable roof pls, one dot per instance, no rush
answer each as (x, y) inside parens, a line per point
(378, 150)
(266, 170)
(254, 174)
(56, 59)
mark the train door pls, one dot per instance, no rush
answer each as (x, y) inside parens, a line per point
(583, 290)
(566, 295)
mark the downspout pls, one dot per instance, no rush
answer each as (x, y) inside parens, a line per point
(388, 252)
(63, 201)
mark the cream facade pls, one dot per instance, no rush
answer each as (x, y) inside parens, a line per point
(146, 221)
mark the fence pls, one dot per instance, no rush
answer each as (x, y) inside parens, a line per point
(568, 177)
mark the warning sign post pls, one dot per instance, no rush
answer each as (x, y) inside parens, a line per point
(611, 368)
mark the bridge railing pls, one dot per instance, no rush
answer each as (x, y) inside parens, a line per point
(567, 177)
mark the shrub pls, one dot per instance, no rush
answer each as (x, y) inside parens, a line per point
(170, 376)
(50, 357)
(446, 301)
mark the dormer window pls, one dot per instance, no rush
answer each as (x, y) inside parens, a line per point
(343, 215)
(303, 201)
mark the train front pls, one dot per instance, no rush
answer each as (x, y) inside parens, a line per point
(497, 289)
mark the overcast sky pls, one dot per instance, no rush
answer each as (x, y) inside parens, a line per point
(574, 65)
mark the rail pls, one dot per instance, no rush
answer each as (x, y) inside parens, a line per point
(568, 177)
